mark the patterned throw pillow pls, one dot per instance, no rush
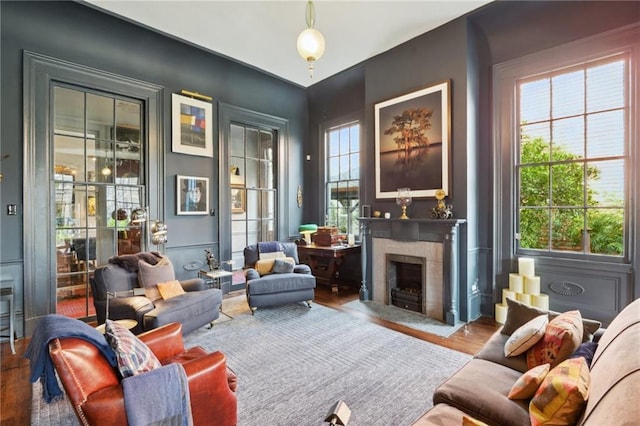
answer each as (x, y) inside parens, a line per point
(562, 337)
(562, 395)
(283, 266)
(150, 275)
(470, 421)
(134, 357)
(527, 385)
(526, 336)
(170, 289)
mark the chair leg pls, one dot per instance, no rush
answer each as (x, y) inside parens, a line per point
(253, 309)
(308, 302)
(210, 326)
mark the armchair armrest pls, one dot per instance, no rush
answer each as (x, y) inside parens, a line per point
(165, 342)
(193, 284)
(251, 274)
(208, 382)
(302, 269)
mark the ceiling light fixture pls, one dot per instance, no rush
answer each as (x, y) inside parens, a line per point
(310, 41)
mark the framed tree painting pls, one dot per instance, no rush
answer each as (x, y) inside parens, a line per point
(192, 126)
(192, 195)
(412, 137)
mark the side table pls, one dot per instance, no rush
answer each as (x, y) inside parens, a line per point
(215, 278)
(126, 323)
(6, 295)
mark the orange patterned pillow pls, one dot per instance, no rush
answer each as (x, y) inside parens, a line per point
(562, 395)
(561, 338)
(527, 385)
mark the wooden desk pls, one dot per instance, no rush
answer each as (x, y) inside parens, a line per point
(326, 262)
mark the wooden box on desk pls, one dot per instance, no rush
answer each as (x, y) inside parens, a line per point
(326, 236)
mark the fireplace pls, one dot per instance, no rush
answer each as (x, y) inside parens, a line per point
(429, 243)
(406, 282)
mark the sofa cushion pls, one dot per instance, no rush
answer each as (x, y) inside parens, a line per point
(170, 289)
(561, 338)
(518, 314)
(526, 336)
(134, 357)
(192, 309)
(150, 275)
(466, 391)
(562, 395)
(493, 350)
(528, 383)
(277, 283)
(283, 266)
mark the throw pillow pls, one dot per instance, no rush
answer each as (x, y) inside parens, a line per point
(527, 385)
(170, 289)
(519, 314)
(586, 350)
(134, 357)
(562, 395)
(561, 338)
(526, 336)
(272, 255)
(470, 421)
(264, 266)
(283, 266)
(150, 275)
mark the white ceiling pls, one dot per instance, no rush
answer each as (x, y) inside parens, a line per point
(263, 34)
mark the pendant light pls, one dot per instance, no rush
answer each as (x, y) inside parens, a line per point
(310, 41)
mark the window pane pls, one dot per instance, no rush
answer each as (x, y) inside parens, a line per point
(128, 121)
(534, 228)
(568, 94)
(566, 229)
(355, 166)
(68, 156)
(236, 142)
(606, 231)
(355, 138)
(344, 167)
(334, 143)
(534, 186)
(605, 86)
(345, 143)
(68, 111)
(334, 168)
(100, 116)
(534, 143)
(535, 101)
(605, 183)
(568, 139)
(252, 142)
(605, 135)
(567, 184)
(128, 164)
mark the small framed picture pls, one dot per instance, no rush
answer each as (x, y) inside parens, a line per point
(192, 195)
(237, 199)
(192, 126)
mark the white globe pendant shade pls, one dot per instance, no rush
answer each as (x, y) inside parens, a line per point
(310, 45)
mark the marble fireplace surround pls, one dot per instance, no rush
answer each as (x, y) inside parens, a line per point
(431, 275)
(434, 239)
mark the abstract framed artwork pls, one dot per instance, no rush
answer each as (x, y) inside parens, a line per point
(192, 126)
(192, 195)
(412, 142)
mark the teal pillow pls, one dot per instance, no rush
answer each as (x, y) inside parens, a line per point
(282, 266)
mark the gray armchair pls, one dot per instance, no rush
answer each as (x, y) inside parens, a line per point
(196, 307)
(269, 286)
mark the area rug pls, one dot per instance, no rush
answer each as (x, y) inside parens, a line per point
(293, 363)
(405, 317)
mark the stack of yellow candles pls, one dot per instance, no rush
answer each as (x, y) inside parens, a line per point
(523, 287)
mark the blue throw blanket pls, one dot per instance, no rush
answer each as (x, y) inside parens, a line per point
(158, 397)
(268, 247)
(57, 326)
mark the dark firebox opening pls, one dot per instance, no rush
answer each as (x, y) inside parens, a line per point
(405, 281)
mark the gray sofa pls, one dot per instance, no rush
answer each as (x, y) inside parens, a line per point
(197, 307)
(479, 389)
(274, 289)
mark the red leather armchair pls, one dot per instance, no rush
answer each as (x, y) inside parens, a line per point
(94, 388)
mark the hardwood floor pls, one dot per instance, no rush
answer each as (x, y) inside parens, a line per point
(15, 398)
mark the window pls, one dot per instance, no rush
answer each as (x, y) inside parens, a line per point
(342, 181)
(571, 159)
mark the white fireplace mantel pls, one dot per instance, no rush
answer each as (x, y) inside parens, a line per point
(444, 231)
